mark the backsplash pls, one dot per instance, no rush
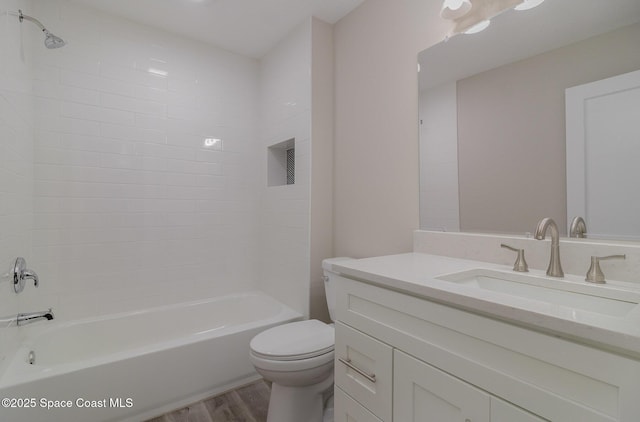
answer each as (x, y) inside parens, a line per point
(575, 254)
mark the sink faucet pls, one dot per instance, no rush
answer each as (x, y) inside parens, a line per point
(555, 268)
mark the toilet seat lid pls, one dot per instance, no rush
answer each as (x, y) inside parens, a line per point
(294, 341)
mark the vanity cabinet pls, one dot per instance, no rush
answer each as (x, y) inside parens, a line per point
(418, 360)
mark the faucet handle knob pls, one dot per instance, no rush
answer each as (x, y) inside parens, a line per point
(595, 274)
(520, 264)
(21, 274)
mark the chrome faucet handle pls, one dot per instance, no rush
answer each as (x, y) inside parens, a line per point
(595, 274)
(21, 274)
(520, 264)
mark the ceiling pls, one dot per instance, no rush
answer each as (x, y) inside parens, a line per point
(247, 27)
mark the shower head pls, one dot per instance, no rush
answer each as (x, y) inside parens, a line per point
(50, 40)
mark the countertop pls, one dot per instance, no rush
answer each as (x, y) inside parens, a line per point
(415, 274)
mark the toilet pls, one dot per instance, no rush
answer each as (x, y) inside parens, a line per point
(298, 359)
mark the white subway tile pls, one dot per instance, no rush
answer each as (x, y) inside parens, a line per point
(73, 59)
(45, 73)
(120, 161)
(151, 94)
(128, 133)
(117, 101)
(80, 127)
(113, 86)
(48, 138)
(153, 108)
(118, 132)
(154, 164)
(61, 156)
(47, 106)
(137, 77)
(99, 114)
(210, 168)
(209, 156)
(145, 121)
(179, 153)
(78, 79)
(182, 179)
(80, 95)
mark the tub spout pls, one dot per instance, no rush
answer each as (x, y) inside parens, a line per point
(23, 319)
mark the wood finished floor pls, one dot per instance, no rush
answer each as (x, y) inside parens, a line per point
(245, 404)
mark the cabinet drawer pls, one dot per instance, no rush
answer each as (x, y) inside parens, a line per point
(364, 370)
(349, 410)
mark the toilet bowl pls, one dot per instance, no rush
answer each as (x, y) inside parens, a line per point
(298, 359)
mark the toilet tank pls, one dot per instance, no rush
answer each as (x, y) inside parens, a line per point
(329, 283)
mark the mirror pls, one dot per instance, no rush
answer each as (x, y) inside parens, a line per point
(492, 113)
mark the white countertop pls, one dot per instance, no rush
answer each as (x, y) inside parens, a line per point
(415, 274)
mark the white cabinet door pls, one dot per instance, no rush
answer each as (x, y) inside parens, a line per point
(501, 411)
(363, 370)
(349, 410)
(423, 393)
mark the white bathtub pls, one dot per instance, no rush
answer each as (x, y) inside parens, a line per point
(135, 365)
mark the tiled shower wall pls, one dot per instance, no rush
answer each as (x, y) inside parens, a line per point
(285, 113)
(16, 158)
(134, 161)
(146, 165)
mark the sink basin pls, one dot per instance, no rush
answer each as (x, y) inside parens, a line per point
(601, 299)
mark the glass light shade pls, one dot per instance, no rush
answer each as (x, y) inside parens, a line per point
(528, 4)
(455, 9)
(481, 26)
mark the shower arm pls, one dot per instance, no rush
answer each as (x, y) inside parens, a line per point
(23, 17)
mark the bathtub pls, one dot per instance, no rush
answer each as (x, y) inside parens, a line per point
(135, 365)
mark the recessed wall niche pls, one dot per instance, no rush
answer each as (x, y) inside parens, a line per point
(281, 163)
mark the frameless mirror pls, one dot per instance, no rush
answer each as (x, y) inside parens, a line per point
(493, 152)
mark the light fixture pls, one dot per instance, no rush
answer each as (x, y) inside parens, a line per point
(528, 4)
(455, 9)
(480, 26)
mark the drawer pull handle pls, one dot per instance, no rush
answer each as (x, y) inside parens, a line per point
(347, 362)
